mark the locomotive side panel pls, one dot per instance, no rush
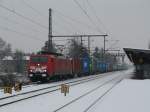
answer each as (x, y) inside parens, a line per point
(76, 66)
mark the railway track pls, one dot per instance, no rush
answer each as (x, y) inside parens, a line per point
(47, 87)
(24, 86)
(39, 83)
(91, 91)
(4, 101)
(99, 98)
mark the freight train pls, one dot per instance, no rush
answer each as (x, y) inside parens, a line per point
(43, 67)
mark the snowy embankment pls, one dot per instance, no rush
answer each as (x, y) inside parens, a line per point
(52, 101)
(128, 96)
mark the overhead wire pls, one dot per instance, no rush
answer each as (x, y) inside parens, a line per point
(66, 29)
(20, 33)
(24, 17)
(70, 24)
(34, 9)
(18, 23)
(100, 21)
(15, 22)
(85, 12)
(74, 20)
(38, 12)
(110, 47)
(97, 17)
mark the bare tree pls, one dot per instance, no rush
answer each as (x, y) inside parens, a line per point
(104, 57)
(18, 57)
(77, 50)
(5, 49)
(45, 48)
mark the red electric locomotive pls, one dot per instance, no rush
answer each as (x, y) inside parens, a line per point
(46, 66)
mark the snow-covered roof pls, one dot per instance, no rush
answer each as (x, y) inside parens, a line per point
(7, 58)
(26, 57)
(11, 58)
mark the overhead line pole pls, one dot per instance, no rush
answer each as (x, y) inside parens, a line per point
(50, 46)
(81, 41)
(104, 44)
(103, 35)
(80, 35)
(50, 35)
(89, 45)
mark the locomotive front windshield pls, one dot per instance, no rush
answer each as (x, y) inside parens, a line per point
(39, 59)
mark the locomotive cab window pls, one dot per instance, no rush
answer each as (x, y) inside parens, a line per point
(39, 59)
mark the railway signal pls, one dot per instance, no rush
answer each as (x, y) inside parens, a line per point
(64, 89)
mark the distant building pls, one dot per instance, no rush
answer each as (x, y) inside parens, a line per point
(8, 64)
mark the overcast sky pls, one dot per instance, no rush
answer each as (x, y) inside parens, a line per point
(123, 20)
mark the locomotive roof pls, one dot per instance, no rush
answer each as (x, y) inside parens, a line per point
(45, 53)
(138, 56)
(41, 55)
(51, 53)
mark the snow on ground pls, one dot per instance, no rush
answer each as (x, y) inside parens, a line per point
(28, 88)
(51, 101)
(40, 86)
(128, 96)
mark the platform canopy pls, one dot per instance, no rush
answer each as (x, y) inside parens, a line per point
(138, 56)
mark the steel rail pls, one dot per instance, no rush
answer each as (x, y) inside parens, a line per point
(42, 89)
(99, 98)
(78, 82)
(87, 93)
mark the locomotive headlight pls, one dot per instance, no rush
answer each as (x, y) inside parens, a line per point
(45, 70)
(30, 75)
(31, 70)
(43, 75)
